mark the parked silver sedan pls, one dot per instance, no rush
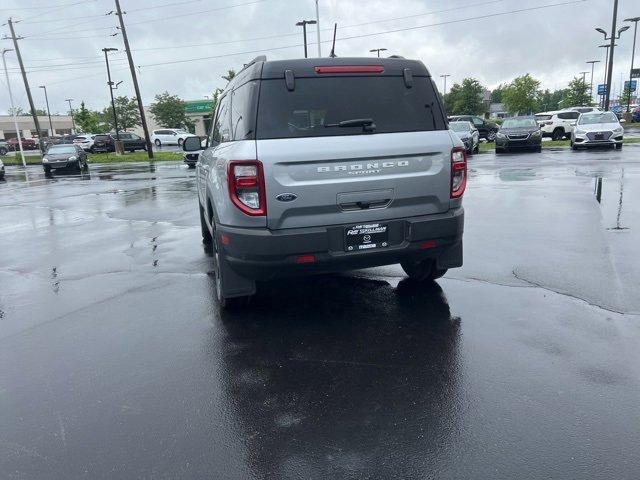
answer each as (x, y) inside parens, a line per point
(469, 135)
(597, 128)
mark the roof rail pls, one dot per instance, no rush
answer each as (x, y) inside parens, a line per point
(259, 58)
(395, 56)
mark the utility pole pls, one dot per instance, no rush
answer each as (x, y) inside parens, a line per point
(73, 123)
(13, 108)
(303, 24)
(26, 84)
(113, 103)
(584, 80)
(606, 67)
(46, 98)
(633, 54)
(143, 119)
(318, 29)
(444, 77)
(592, 62)
(613, 37)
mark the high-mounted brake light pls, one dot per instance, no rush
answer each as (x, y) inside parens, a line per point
(350, 69)
(458, 171)
(246, 187)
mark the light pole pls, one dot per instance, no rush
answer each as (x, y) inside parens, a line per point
(444, 77)
(592, 62)
(378, 50)
(303, 24)
(606, 66)
(633, 54)
(73, 123)
(13, 108)
(48, 111)
(113, 103)
(612, 45)
(318, 29)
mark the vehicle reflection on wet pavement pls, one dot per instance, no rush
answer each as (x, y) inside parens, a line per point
(115, 361)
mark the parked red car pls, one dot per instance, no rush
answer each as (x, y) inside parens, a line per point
(27, 144)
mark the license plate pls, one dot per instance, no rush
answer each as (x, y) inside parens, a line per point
(366, 236)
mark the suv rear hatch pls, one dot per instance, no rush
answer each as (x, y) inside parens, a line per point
(319, 173)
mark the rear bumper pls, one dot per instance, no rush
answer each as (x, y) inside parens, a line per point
(261, 254)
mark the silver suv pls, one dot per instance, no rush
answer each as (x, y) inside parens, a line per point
(322, 165)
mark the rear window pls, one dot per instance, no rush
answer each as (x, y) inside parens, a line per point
(543, 117)
(317, 103)
(100, 137)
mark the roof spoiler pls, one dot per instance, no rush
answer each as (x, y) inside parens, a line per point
(259, 58)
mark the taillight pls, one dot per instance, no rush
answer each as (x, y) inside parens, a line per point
(246, 187)
(350, 69)
(458, 171)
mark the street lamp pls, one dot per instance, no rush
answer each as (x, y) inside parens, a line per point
(592, 62)
(48, 111)
(606, 46)
(113, 103)
(378, 50)
(612, 39)
(444, 77)
(303, 24)
(635, 20)
(73, 123)
(13, 108)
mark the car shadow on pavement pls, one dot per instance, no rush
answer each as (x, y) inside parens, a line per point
(324, 373)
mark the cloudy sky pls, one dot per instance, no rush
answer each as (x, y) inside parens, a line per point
(184, 46)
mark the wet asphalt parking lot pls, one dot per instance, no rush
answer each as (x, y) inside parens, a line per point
(115, 361)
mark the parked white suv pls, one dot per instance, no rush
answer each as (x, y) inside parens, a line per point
(170, 136)
(558, 124)
(85, 141)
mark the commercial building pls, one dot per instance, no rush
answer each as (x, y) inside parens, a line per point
(198, 111)
(62, 125)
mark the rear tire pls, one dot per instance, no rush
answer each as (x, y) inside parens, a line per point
(225, 303)
(476, 149)
(499, 150)
(47, 171)
(558, 134)
(158, 143)
(180, 142)
(206, 234)
(423, 270)
(538, 149)
(3, 151)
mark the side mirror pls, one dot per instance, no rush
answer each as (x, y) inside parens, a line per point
(191, 144)
(175, 134)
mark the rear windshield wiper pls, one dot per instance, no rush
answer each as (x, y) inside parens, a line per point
(366, 124)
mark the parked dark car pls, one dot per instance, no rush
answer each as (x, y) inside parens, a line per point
(4, 148)
(486, 129)
(64, 156)
(519, 133)
(107, 142)
(27, 144)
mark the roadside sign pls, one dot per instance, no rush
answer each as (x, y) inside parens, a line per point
(633, 85)
(635, 73)
(602, 89)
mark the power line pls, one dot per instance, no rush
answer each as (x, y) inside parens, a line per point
(151, 20)
(49, 6)
(384, 32)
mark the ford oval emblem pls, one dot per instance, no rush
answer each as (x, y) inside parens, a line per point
(286, 197)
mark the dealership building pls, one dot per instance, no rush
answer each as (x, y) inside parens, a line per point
(62, 125)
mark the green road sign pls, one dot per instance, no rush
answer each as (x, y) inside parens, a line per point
(198, 106)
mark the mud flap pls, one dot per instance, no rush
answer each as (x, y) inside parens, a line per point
(451, 257)
(235, 285)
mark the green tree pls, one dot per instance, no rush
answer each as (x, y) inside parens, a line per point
(496, 94)
(16, 111)
(465, 98)
(168, 111)
(128, 113)
(40, 112)
(229, 76)
(89, 121)
(576, 94)
(521, 95)
(625, 97)
(548, 100)
(216, 93)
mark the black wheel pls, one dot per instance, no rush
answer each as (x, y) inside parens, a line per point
(538, 149)
(618, 146)
(423, 270)
(558, 134)
(476, 149)
(158, 143)
(47, 170)
(499, 150)
(3, 151)
(491, 136)
(206, 234)
(180, 142)
(132, 150)
(91, 150)
(191, 166)
(225, 303)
